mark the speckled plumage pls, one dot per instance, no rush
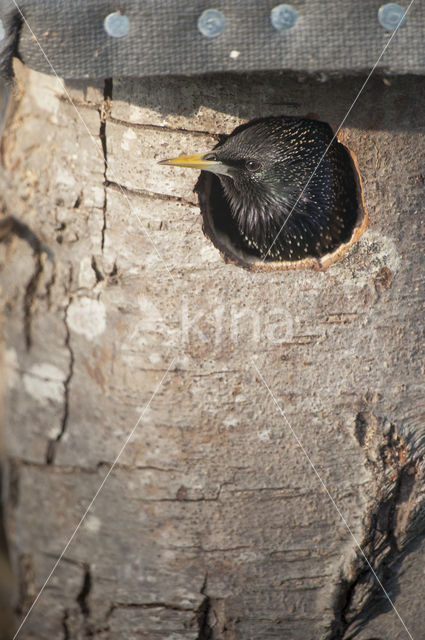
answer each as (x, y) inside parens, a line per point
(270, 163)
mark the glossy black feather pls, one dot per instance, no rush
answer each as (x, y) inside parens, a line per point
(288, 200)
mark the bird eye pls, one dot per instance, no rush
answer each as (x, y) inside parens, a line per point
(210, 156)
(252, 165)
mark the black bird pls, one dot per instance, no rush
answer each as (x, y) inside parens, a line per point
(290, 196)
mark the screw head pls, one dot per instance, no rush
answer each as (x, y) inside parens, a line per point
(2, 30)
(211, 23)
(283, 17)
(391, 16)
(116, 25)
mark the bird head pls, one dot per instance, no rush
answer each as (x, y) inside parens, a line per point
(251, 157)
(282, 185)
(256, 169)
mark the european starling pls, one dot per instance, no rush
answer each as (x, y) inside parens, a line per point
(289, 196)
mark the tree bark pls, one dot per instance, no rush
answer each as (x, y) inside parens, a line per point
(119, 313)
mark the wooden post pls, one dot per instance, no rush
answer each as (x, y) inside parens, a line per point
(118, 314)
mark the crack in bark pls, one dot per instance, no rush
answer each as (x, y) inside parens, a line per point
(11, 225)
(83, 596)
(391, 524)
(52, 444)
(77, 102)
(121, 188)
(148, 605)
(29, 297)
(77, 202)
(203, 614)
(104, 111)
(66, 633)
(160, 127)
(136, 467)
(13, 480)
(72, 469)
(52, 468)
(99, 275)
(198, 547)
(49, 286)
(26, 583)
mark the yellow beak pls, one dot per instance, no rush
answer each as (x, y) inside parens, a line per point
(197, 162)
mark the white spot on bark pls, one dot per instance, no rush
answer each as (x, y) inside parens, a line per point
(44, 382)
(384, 250)
(231, 421)
(45, 90)
(54, 432)
(134, 113)
(87, 317)
(247, 556)
(184, 362)
(93, 196)
(65, 178)
(86, 275)
(234, 54)
(151, 318)
(11, 365)
(209, 253)
(93, 524)
(151, 579)
(264, 435)
(128, 136)
(374, 251)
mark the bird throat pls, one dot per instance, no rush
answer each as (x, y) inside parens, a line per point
(259, 217)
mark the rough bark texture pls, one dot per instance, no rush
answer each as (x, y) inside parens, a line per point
(213, 524)
(6, 575)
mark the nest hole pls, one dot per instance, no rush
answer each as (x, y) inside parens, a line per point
(220, 227)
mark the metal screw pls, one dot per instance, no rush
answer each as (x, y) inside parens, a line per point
(211, 23)
(116, 25)
(391, 16)
(283, 17)
(2, 30)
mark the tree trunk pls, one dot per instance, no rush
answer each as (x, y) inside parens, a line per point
(118, 312)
